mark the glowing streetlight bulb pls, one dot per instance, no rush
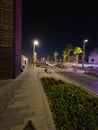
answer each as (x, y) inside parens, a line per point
(36, 42)
(86, 40)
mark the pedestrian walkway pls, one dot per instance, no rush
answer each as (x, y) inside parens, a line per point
(23, 104)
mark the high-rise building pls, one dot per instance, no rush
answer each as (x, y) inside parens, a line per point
(10, 38)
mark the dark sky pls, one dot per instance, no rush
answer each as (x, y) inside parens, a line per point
(54, 27)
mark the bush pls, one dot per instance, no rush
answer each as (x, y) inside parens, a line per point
(72, 107)
(37, 65)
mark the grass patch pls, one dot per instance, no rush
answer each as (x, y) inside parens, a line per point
(72, 107)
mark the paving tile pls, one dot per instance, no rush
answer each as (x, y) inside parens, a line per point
(23, 102)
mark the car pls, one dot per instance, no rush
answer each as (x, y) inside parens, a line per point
(90, 69)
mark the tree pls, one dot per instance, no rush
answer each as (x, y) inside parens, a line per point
(69, 49)
(64, 55)
(55, 55)
(94, 52)
(77, 51)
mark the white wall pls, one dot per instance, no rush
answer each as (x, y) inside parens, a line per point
(95, 57)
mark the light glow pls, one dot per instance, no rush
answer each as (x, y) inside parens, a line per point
(36, 42)
(86, 40)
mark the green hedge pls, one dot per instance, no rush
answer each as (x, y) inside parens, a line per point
(72, 107)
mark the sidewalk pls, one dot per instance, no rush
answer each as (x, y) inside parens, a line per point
(23, 105)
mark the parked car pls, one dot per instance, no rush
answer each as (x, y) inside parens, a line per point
(90, 69)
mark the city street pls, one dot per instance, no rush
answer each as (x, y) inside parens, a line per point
(89, 83)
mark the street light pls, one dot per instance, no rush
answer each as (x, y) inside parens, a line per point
(83, 53)
(34, 52)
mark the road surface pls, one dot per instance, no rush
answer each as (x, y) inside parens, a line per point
(89, 83)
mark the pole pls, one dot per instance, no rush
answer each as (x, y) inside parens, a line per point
(83, 55)
(34, 52)
(33, 48)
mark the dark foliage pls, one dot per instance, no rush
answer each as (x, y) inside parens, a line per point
(72, 107)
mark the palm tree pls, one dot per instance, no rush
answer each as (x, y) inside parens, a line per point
(76, 52)
(64, 55)
(55, 55)
(94, 52)
(69, 49)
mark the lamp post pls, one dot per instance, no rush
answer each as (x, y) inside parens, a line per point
(83, 56)
(34, 52)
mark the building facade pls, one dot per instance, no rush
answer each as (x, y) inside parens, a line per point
(10, 38)
(93, 59)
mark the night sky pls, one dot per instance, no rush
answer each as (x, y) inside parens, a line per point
(54, 27)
